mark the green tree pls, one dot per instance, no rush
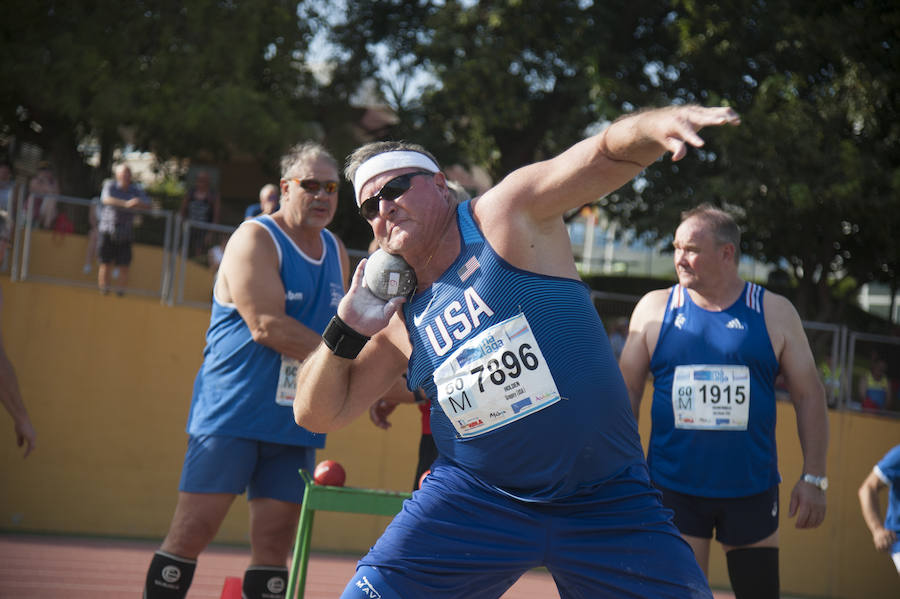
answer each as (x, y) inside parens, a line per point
(812, 172)
(814, 169)
(505, 83)
(191, 79)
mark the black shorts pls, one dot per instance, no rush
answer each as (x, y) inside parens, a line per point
(113, 251)
(737, 521)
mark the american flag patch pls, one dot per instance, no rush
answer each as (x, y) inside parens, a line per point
(468, 268)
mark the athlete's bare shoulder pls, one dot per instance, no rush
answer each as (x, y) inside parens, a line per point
(650, 308)
(782, 322)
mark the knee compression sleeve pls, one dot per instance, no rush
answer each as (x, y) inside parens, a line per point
(265, 582)
(169, 576)
(754, 572)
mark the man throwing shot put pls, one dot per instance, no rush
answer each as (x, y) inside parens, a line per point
(540, 462)
(715, 344)
(279, 283)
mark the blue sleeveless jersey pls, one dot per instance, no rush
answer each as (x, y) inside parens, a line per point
(889, 473)
(235, 390)
(562, 450)
(714, 463)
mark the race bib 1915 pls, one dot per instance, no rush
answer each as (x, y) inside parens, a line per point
(711, 397)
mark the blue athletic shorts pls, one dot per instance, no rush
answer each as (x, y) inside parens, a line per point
(457, 538)
(219, 464)
(737, 521)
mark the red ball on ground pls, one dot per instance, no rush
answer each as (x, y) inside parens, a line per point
(329, 473)
(422, 478)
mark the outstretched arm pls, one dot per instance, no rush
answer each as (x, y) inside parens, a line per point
(604, 162)
(871, 511)
(530, 202)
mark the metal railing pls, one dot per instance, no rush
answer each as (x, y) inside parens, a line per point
(185, 257)
(72, 218)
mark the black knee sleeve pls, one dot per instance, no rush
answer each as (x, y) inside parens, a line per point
(754, 572)
(169, 576)
(265, 582)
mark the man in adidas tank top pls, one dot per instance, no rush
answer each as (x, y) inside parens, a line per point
(280, 281)
(714, 344)
(539, 461)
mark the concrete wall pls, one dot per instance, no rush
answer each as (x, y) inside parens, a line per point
(107, 381)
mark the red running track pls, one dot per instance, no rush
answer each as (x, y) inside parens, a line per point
(52, 567)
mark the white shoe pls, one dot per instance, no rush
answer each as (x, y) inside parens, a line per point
(86, 269)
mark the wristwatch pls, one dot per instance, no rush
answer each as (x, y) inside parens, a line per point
(816, 481)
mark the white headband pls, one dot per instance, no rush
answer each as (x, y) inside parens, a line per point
(388, 161)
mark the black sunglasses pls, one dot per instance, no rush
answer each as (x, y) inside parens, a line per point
(314, 185)
(392, 190)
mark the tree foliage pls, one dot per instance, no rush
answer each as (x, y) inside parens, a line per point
(813, 170)
(188, 79)
(508, 82)
(812, 173)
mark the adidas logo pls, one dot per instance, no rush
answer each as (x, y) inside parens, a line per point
(734, 323)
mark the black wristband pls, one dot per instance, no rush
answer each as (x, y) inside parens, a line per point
(342, 340)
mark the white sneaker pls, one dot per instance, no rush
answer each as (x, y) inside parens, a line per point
(86, 269)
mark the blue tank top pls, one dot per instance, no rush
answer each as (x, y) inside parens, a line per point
(531, 444)
(722, 368)
(889, 467)
(235, 390)
(876, 392)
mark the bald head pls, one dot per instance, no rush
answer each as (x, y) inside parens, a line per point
(123, 175)
(269, 197)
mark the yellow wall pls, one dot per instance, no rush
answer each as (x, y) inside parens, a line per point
(107, 381)
(61, 258)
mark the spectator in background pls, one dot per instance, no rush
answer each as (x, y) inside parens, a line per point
(42, 191)
(10, 396)
(120, 197)
(874, 387)
(832, 379)
(200, 204)
(617, 336)
(269, 196)
(6, 185)
(885, 474)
